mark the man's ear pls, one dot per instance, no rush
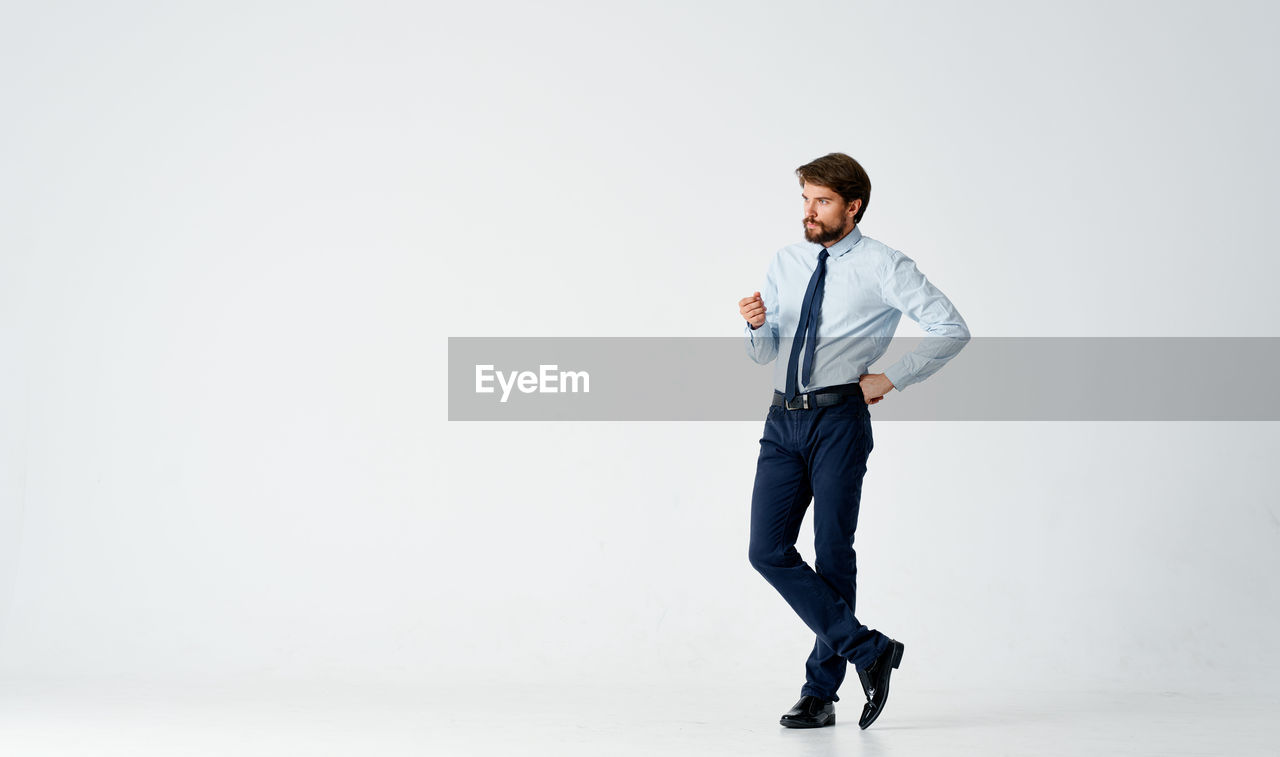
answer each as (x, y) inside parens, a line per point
(854, 207)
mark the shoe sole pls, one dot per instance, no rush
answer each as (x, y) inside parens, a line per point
(791, 724)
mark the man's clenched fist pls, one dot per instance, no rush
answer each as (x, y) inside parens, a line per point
(752, 308)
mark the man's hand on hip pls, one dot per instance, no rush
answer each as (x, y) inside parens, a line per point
(752, 308)
(874, 386)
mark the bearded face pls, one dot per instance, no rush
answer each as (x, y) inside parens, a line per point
(827, 217)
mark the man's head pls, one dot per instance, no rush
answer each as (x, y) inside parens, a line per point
(835, 191)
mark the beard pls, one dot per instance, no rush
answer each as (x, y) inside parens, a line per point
(823, 235)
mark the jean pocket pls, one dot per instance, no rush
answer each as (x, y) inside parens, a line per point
(854, 407)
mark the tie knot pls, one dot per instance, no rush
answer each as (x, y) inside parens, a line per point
(823, 255)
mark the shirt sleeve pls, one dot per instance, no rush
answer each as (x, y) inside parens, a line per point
(903, 287)
(762, 343)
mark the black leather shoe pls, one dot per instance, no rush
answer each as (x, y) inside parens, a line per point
(810, 712)
(876, 682)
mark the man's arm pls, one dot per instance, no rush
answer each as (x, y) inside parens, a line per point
(762, 341)
(902, 286)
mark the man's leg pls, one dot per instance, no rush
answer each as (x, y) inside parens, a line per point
(778, 503)
(823, 672)
(837, 463)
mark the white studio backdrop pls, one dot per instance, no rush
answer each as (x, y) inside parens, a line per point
(237, 236)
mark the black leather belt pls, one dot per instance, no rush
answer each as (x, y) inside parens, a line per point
(824, 398)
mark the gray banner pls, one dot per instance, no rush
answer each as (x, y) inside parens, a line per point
(992, 379)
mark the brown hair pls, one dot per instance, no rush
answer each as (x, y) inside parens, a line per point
(842, 175)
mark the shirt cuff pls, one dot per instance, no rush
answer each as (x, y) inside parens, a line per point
(898, 376)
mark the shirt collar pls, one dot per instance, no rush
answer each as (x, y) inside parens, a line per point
(844, 245)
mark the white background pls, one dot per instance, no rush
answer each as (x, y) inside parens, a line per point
(236, 237)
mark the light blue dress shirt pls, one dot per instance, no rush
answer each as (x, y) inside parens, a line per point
(868, 286)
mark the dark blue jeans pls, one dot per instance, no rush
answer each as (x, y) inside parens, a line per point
(819, 455)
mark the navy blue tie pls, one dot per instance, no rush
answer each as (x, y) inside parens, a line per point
(807, 328)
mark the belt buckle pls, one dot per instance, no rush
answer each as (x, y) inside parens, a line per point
(804, 403)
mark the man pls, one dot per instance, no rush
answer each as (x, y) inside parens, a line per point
(838, 297)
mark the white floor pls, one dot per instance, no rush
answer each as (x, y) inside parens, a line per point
(138, 719)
